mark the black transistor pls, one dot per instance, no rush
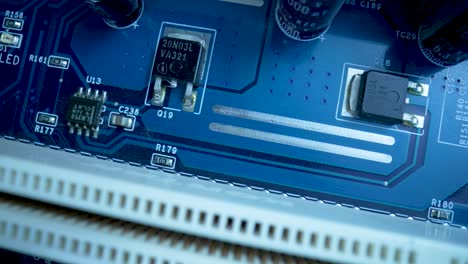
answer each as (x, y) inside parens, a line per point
(178, 60)
(84, 112)
(382, 97)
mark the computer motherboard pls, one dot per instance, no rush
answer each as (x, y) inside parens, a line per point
(216, 90)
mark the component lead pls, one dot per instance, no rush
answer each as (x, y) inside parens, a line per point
(420, 89)
(190, 97)
(411, 120)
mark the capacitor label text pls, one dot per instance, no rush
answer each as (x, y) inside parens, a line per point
(365, 4)
(406, 35)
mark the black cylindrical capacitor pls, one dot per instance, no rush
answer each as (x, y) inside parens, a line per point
(443, 36)
(118, 13)
(306, 19)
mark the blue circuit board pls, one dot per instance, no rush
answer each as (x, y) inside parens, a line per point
(269, 114)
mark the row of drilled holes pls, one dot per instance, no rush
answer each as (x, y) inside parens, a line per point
(74, 245)
(189, 216)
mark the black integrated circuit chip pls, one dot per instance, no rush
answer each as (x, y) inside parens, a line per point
(178, 58)
(84, 112)
(382, 97)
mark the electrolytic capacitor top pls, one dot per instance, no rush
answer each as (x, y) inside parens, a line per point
(306, 20)
(443, 36)
(118, 13)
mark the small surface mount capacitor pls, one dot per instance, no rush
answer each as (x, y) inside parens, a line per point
(163, 161)
(59, 62)
(122, 121)
(118, 13)
(306, 19)
(13, 24)
(46, 119)
(440, 215)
